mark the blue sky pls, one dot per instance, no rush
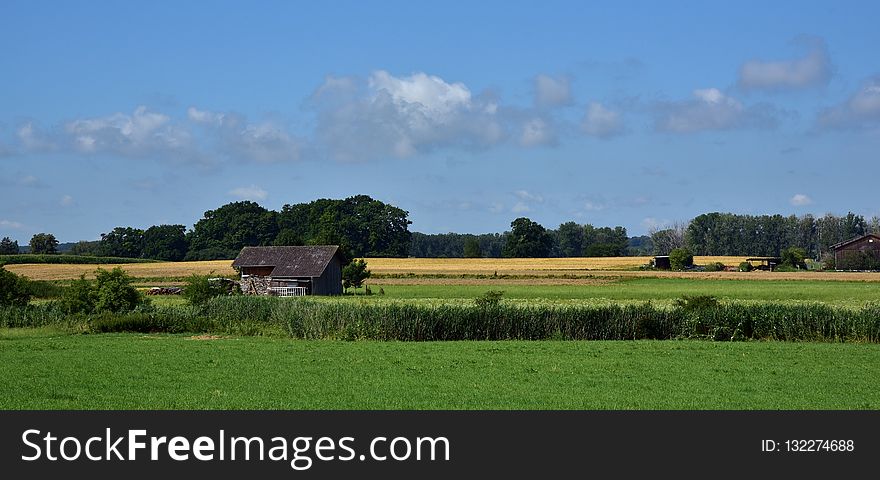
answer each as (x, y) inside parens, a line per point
(465, 114)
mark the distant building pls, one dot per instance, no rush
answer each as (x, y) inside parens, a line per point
(860, 253)
(290, 271)
(661, 262)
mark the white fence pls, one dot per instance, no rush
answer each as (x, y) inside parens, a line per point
(288, 291)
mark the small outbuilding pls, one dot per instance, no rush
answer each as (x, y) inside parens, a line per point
(290, 271)
(661, 262)
(860, 253)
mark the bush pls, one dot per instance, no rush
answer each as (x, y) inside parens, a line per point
(490, 299)
(745, 267)
(715, 267)
(794, 257)
(680, 259)
(114, 292)
(79, 297)
(696, 302)
(199, 289)
(14, 290)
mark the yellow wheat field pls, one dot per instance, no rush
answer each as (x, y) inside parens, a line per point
(587, 269)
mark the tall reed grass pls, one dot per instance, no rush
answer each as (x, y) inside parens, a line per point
(309, 319)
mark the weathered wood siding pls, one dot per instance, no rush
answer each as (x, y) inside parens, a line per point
(330, 282)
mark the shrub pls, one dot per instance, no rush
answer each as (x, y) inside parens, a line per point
(681, 258)
(745, 267)
(490, 299)
(199, 289)
(114, 292)
(715, 267)
(354, 274)
(79, 297)
(14, 290)
(794, 257)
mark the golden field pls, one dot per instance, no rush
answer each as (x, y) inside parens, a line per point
(575, 270)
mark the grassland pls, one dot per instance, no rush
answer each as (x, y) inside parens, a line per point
(40, 369)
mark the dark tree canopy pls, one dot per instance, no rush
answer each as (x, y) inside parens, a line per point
(364, 227)
(44, 243)
(570, 239)
(451, 245)
(223, 232)
(125, 242)
(527, 239)
(472, 248)
(165, 242)
(8, 246)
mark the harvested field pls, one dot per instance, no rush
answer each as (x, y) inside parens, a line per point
(170, 270)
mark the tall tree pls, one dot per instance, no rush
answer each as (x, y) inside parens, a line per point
(8, 246)
(570, 240)
(472, 248)
(165, 242)
(44, 243)
(527, 239)
(124, 242)
(223, 232)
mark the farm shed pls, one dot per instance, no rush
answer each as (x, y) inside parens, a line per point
(290, 271)
(860, 253)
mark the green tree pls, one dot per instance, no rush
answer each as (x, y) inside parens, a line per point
(79, 297)
(44, 243)
(165, 242)
(84, 247)
(354, 274)
(199, 289)
(14, 290)
(8, 246)
(527, 239)
(680, 259)
(225, 231)
(114, 292)
(287, 237)
(124, 242)
(794, 257)
(472, 248)
(570, 240)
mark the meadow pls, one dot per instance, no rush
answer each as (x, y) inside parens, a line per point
(804, 340)
(42, 369)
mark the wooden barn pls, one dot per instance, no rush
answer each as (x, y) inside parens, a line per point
(290, 271)
(860, 253)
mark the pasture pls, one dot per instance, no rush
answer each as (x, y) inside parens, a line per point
(42, 369)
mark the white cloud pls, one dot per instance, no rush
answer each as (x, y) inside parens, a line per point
(251, 192)
(496, 207)
(552, 92)
(260, 142)
(11, 224)
(30, 181)
(520, 207)
(593, 206)
(711, 109)
(800, 200)
(33, 139)
(66, 201)
(861, 109)
(401, 116)
(601, 122)
(813, 69)
(536, 132)
(528, 196)
(141, 133)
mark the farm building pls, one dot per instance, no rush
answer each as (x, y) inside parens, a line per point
(290, 271)
(860, 253)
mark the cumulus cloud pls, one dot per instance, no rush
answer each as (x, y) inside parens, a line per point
(552, 91)
(251, 192)
(601, 122)
(520, 207)
(262, 142)
(801, 200)
(66, 201)
(861, 109)
(401, 116)
(11, 224)
(34, 139)
(812, 69)
(141, 133)
(536, 132)
(710, 109)
(528, 196)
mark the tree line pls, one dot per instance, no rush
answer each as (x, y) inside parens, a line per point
(762, 235)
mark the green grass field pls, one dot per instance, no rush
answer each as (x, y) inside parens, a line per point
(839, 293)
(43, 369)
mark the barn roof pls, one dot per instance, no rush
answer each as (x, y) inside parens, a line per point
(854, 240)
(307, 261)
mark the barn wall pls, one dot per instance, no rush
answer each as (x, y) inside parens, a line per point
(261, 271)
(861, 255)
(330, 282)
